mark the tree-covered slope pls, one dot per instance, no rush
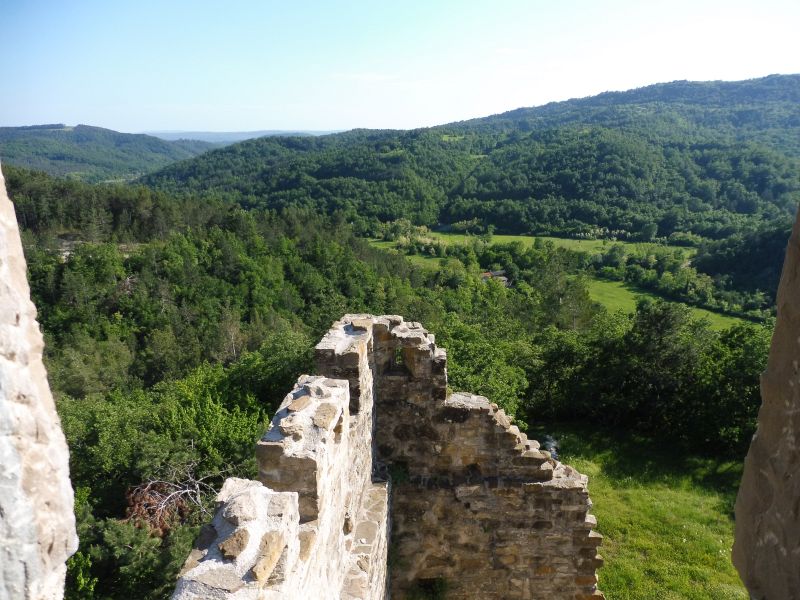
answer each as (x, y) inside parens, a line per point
(766, 110)
(680, 157)
(383, 175)
(747, 262)
(91, 153)
(573, 181)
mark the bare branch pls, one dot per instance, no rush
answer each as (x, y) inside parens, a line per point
(171, 498)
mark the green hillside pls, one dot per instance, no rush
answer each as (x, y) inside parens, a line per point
(764, 110)
(710, 159)
(175, 323)
(91, 153)
(689, 164)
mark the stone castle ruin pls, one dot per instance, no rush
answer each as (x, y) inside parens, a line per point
(374, 482)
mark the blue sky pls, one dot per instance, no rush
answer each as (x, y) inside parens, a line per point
(245, 65)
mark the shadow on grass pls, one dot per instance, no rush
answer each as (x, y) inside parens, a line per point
(631, 458)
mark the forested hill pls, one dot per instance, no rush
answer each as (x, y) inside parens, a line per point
(91, 153)
(706, 159)
(763, 110)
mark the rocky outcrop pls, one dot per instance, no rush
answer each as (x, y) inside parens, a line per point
(37, 525)
(767, 547)
(374, 481)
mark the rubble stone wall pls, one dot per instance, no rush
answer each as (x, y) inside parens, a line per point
(766, 551)
(37, 524)
(315, 525)
(477, 509)
(374, 482)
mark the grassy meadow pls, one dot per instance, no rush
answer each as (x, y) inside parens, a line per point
(614, 295)
(590, 246)
(666, 518)
(426, 262)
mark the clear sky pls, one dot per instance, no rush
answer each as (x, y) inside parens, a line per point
(228, 65)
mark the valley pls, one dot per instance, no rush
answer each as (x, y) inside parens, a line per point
(613, 295)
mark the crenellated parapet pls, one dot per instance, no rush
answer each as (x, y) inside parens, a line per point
(376, 464)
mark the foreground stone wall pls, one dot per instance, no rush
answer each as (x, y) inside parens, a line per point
(767, 548)
(477, 508)
(37, 525)
(374, 482)
(319, 530)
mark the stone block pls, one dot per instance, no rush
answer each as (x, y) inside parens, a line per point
(234, 544)
(269, 552)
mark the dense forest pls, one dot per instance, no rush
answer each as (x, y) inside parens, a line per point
(91, 153)
(178, 310)
(709, 158)
(567, 181)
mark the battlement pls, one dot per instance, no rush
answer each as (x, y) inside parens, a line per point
(371, 454)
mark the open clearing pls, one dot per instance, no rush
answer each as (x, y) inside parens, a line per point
(614, 295)
(591, 246)
(666, 517)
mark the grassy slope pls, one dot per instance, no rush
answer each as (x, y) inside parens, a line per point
(667, 519)
(614, 295)
(426, 262)
(591, 246)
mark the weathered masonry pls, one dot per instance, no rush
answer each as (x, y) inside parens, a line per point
(375, 483)
(37, 525)
(767, 548)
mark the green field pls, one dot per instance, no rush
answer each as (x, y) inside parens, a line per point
(382, 244)
(426, 262)
(666, 518)
(616, 295)
(591, 246)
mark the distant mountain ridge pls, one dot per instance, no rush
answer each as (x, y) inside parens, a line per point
(91, 153)
(427, 174)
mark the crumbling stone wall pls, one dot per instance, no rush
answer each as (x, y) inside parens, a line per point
(477, 508)
(388, 486)
(767, 548)
(319, 530)
(37, 524)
